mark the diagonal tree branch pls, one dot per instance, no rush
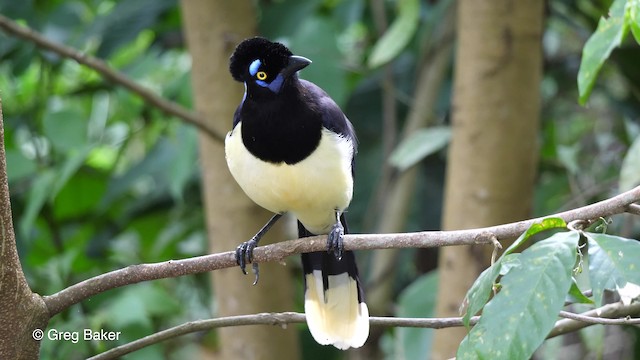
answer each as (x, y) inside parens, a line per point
(109, 73)
(275, 252)
(611, 314)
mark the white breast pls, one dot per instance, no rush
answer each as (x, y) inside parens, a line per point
(311, 189)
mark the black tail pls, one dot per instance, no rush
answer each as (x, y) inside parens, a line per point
(334, 301)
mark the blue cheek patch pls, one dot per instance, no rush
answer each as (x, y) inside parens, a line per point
(254, 67)
(276, 84)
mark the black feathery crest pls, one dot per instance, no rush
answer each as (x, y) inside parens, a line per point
(272, 54)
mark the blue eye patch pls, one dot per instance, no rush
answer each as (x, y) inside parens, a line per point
(254, 67)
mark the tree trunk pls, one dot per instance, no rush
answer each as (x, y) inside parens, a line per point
(21, 311)
(213, 28)
(493, 154)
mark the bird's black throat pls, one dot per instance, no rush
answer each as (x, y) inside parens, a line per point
(285, 128)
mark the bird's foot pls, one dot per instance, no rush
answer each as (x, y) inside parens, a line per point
(335, 240)
(244, 256)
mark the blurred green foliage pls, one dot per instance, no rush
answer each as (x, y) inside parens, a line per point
(100, 180)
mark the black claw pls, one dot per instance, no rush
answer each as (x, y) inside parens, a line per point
(244, 255)
(244, 252)
(335, 240)
(256, 271)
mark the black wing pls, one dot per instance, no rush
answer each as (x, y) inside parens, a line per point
(332, 117)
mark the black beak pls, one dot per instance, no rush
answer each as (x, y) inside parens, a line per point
(296, 63)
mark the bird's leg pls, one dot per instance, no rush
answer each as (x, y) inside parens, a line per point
(244, 252)
(336, 237)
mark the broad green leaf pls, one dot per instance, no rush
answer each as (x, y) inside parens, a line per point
(608, 36)
(568, 156)
(630, 171)
(181, 170)
(517, 320)
(137, 304)
(509, 262)
(632, 17)
(66, 129)
(19, 166)
(80, 195)
(123, 23)
(326, 70)
(537, 227)
(480, 291)
(576, 295)
(398, 35)
(419, 145)
(613, 262)
(73, 162)
(37, 197)
(418, 301)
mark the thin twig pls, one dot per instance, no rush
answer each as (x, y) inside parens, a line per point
(575, 322)
(633, 209)
(105, 70)
(276, 252)
(599, 320)
(280, 319)
(283, 319)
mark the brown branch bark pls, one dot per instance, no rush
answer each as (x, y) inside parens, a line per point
(611, 314)
(633, 209)
(273, 319)
(276, 252)
(21, 310)
(573, 322)
(169, 107)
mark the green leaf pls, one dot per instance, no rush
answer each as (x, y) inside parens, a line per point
(416, 301)
(80, 195)
(568, 156)
(120, 26)
(326, 70)
(632, 17)
(66, 129)
(73, 162)
(576, 295)
(613, 262)
(419, 145)
(480, 291)
(37, 197)
(536, 227)
(608, 36)
(517, 320)
(629, 172)
(398, 35)
(509, 262)
(136, 305)
(19, 166)
(185, 164)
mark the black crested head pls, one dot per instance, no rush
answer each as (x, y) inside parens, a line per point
(271, 54)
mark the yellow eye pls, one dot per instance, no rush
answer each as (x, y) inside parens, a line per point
(261, 75)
